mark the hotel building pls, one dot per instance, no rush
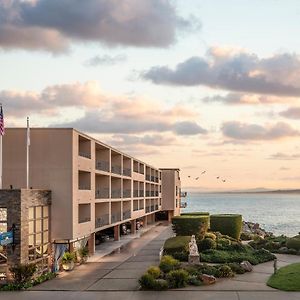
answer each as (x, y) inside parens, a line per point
(93, 186)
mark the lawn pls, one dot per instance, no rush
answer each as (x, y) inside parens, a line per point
(286, 279)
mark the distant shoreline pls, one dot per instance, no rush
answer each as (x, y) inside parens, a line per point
(296, 191)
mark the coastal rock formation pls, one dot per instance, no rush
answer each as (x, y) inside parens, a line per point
(208, 279)
(246, 266)
(254, 228)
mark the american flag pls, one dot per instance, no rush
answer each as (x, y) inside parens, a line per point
(2, 130)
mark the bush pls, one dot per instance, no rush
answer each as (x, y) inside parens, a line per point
(154, 271)
(178, 247)
(236, 268)
(206, 244)
(161, 285)
(190, 225)
(22, 273)
(207, 269)
(168, 263)
(177, 278)
(210, 235)
(223, 244)
(228, 224)
(83, 252)
(224, 271)
(246, 236)
(197, 213)
(193, 280)
(294, 243)
(147, 282)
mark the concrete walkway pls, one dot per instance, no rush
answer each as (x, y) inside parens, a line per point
(116, 276)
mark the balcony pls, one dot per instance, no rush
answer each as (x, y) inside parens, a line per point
(127, 194)
(152, 178)
(152, 207)
(84, 154)
(126, 214)
(135, 193)
(102, 166)
(102, 221)
(156, 206)
(156, 179)
(102, 193)
(147, 209)
(116, 170)
(116, 193)
(148, 193)
(116, 217)
(152, 193)
(141, 194)
(148, 177)
(127, 172)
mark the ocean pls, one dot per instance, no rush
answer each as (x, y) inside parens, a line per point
(275, 212)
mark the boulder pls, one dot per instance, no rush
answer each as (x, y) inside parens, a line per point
(246, 266)
(207, 279)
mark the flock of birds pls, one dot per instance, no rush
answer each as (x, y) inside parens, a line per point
(204, 172)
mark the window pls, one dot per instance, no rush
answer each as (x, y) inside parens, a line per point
(38, 238)
(3, 219)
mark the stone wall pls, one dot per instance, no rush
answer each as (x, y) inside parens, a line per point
(17, 203)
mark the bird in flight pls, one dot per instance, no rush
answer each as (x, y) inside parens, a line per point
(203, 172)
(189, 176)
(196, 178)
(224, 180)
(218, 177)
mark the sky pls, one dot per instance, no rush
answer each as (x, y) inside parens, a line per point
(200, 85)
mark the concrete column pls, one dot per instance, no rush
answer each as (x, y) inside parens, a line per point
(91, 244)
(145, 221)
(117, 232)
(133, 226)
(170, 215)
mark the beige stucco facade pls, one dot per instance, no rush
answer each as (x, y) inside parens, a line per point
(93, 185)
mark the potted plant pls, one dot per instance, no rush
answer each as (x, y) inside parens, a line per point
(68, 261)
(83, 254)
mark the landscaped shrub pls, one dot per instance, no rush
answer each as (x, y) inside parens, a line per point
(177, 278)
(22, 273)
(197, 213)
(161, 285)
(178, 247)
(147, 282)
(223, 244)
(236, 268)
(294, 243)
(206, 244)
(194, 280)
(207, 269)
(228, 224)
(190, 225)
(210, 235)
(224, 271)
(246, 236)
(168, 263)
(154, 271)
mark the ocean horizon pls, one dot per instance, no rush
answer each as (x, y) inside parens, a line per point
(275, 212)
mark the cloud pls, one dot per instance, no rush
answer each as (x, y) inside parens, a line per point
(52, 98)
(284, 169)
(243, 131)
(244, 99)
(105, 60)
(291, 113)
(54, 24)
(284, 156)
(236, 71)
(188, 128)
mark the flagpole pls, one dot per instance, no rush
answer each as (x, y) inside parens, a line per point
(1, 161)
(27, 154)
(1, 145)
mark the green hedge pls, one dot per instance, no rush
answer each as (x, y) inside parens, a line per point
(197, 213)
(178, 247)
(227, 224)
(294, 243)
(190, 225)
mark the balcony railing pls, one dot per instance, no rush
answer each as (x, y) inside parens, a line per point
(135, 208)
(152, 207)
(147, 209)
(84, 154)
(156, 206)
(101, 221)
(152, 178)
(127, 172)
(84, 188)
(102, 166)
(102, 193)
(148, 193)
(127, 194)
(148, 177)
(116, 170)
(116, 217)
(135, 193)
(84, 219)
(156, 179)
(126, 214)
(152, 193)
(141, 194)
(116, 193)
(156, 194)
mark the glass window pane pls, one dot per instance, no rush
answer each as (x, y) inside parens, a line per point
(31, 213)
(45, 224)
(3, 214)
(31, 227)
(45, 237)
(38, 212)
(45, 211)
(3, 227)
(38, 225)
(38, 239)
(31, 240)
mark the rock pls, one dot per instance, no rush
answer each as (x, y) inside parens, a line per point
(255, 226)
(208, 279)
(283, 249)
(246, 266)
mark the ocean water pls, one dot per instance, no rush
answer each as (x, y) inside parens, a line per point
(278, 213)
